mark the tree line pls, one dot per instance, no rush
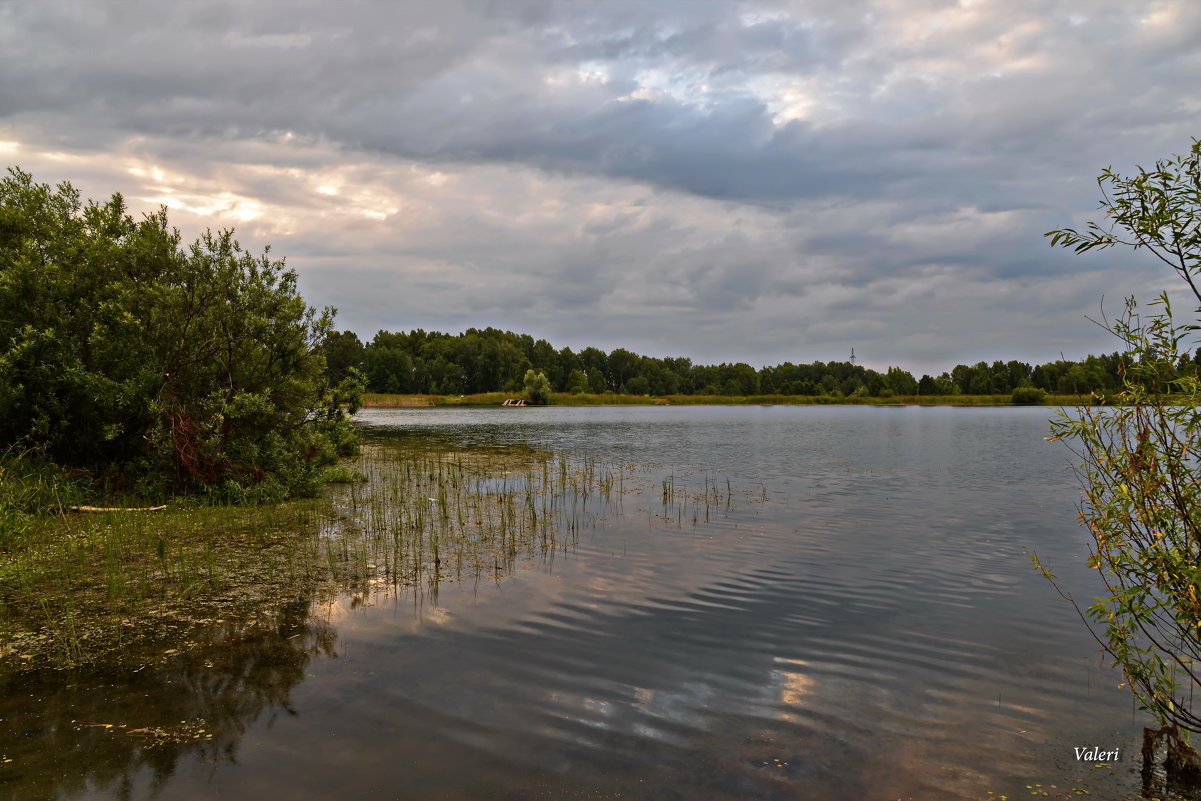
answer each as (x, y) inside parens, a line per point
(491, 360)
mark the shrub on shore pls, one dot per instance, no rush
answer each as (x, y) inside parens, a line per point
(157, 368)
(1028, 396)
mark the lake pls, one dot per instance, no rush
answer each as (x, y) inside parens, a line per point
(850, 612)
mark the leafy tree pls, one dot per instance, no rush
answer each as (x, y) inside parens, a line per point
(446, 377)
(156, 367)
(961, 376)
(545, 358)
(677, 375)
(577, 383)
(945, 385)
(569, 365)
(537, 388)
(343, 350)
(388, 370)
(638, 385)
(596, 367)
(742, 378)
(491, 360)
(623, 366)
(901, 382)
(1047, 376)
(1138, 460)
(1017, 373)
(980, 381)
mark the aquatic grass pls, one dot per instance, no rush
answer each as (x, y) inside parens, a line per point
(426, 511)
(341, 474)
(422, 513)
(679, 501)
(79, 580)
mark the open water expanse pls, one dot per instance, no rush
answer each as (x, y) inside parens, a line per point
(857, 618)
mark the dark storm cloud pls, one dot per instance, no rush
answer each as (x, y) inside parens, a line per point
(447, 81)
(621, 170)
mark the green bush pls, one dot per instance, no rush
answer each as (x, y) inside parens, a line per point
(1137, 465)
(1028, 396)
(537, 388)
(157, 368)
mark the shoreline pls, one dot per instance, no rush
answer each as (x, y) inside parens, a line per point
(385, 401)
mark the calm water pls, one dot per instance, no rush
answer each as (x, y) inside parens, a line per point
(862, 621)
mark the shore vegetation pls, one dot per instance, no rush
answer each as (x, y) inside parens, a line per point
(1137, 464)
(384, 400)
(481, 361)
(152, 369)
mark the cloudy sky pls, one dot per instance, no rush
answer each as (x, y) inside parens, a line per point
(760, 181)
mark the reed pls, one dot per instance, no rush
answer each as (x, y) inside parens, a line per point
(409, 515)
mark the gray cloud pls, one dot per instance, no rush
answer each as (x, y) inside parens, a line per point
(757, 180)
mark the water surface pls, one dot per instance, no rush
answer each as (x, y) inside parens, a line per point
(857, 618)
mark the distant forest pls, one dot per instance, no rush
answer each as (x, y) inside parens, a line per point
(490, 360)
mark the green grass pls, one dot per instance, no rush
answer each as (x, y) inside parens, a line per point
(381, 399)
(31, 487)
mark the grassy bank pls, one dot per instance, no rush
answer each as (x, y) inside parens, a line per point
(613, 399)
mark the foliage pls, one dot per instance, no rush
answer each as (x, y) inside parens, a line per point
(577, 382)
(341, 474)
(343, 352)
(486, 360)
(1139, 460)
(613, 399)
(29, 485)
(1029, 396)
(537, 388)
(900, 382)
(154, 367)
(388, 370)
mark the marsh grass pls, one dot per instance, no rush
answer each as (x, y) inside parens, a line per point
(118, 586)
(80, 588)
(426, 516)
(31, 487)
(695, 503)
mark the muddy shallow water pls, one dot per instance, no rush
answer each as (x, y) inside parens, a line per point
(852, 615)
